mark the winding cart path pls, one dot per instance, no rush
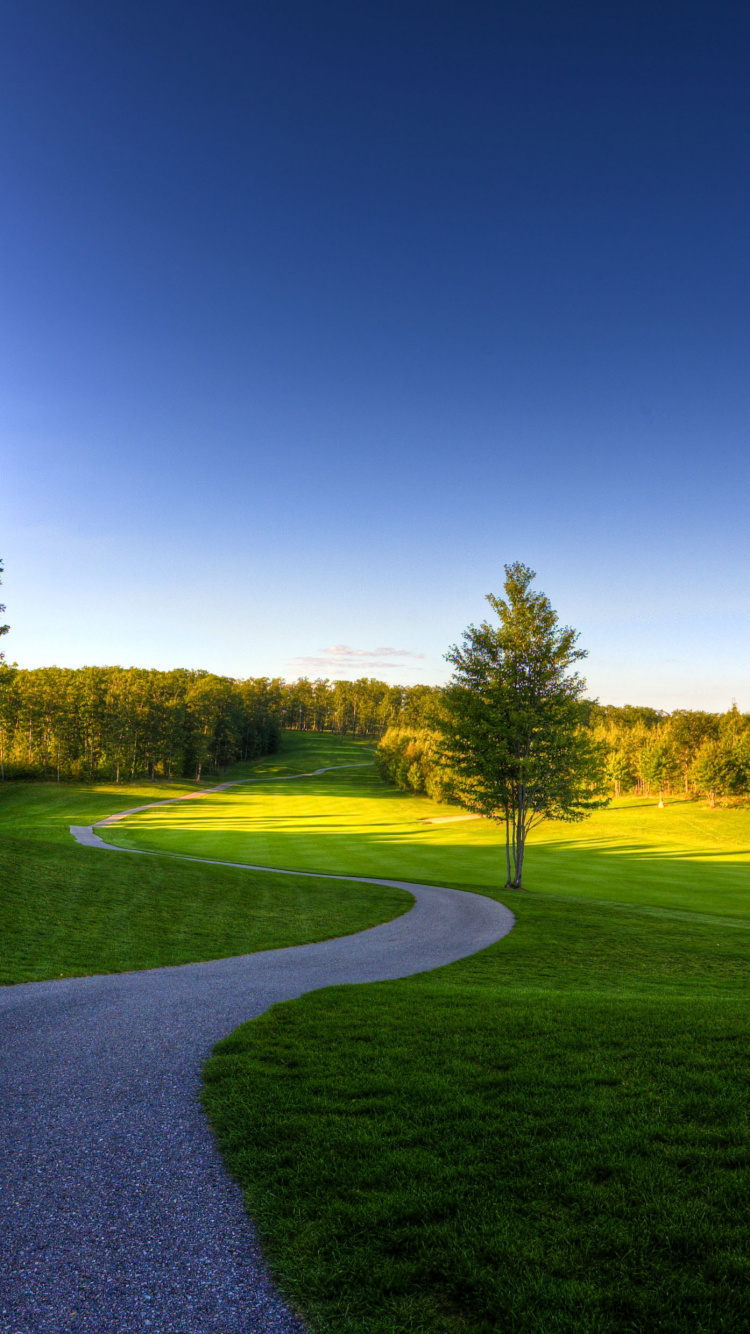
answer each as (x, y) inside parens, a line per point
(116, 1214)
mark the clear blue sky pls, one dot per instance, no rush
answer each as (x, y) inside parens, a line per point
(313, 316)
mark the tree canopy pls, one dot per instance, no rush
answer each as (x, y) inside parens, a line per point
(513, 730)
(121, 723)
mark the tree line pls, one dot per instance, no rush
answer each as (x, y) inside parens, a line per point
(366, 707)
(114, 723)
(689, 751)
(647, 752)
(118, 724)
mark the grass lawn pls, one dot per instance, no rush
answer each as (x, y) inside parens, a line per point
(67, 910)
(551, 1136)
(685, 857)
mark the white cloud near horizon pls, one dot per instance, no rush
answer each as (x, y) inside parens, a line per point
(341, 657)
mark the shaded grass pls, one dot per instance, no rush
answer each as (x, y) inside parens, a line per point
(67, 910)
(71, 912)
(550, 1136)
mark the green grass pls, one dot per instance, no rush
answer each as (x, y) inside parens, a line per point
(547, 1138)
(503, 1145)
(551, 1136)
(67, 911)
(685, 857)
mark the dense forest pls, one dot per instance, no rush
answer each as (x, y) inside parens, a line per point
(361, 708)
(647, 752)
(117, 724)
(110, 723)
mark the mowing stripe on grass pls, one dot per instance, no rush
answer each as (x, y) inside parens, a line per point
(111, 1174)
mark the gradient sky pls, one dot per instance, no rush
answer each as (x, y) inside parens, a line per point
(312, 316)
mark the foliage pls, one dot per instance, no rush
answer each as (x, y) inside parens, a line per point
(658, 764)
(366, 707)
(620, 770)
(513, 734)
(112, 723)
(722, 767)
(126, 723)
(645, 749)
(411, 759)
(410, 752)
(115, 723)
(702, 754)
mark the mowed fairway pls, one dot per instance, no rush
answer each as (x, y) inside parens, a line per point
(684, 857)
(67, 910)
(549, 1137)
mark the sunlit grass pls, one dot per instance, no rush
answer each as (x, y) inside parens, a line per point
(683, 857)
(549, 1137)
(67, 910)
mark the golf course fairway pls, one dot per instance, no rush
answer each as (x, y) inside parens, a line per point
(67, 911)
(348, 822)
(548, 1137)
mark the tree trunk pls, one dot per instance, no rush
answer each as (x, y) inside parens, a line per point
(518, 881)
(516, 850)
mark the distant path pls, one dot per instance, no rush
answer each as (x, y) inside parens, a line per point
(116, 1213)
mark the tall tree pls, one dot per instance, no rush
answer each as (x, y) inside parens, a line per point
(689, 728)
(513, 733)
(659, 765)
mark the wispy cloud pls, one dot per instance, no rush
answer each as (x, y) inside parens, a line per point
(343, 658)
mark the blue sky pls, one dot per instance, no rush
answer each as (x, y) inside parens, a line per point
(314, 316)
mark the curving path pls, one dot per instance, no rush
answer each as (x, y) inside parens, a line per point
(116, 1214)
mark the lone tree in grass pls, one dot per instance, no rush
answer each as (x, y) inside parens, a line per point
(513, 731)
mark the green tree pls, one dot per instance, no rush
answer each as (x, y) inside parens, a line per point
(620, 770)
(513, 735)
(722, 768)
(708, 771)
(689, 728)
(659, 765)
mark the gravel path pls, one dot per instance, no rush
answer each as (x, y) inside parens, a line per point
(116, 1214)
